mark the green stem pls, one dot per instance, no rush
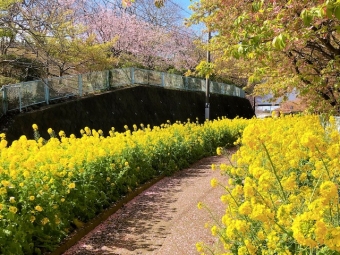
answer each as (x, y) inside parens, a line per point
(246, 247)
(222, 237)
(264, 199)
(282, 228)
(317, 183)
(275, 210)
(274, 171)
(330, 211)
(337, 209)
(229, 158)
(323, 162)
(230, 195)
(271, 199)
(209, 250)
(212, 216)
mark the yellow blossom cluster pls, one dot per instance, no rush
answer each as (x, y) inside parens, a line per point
(46, 184)
(284, 194)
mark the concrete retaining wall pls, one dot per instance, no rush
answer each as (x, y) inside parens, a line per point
(128, 106)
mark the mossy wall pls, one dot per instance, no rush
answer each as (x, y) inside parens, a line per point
(136, 105)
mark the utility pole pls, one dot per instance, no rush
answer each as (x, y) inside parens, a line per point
(207, 84)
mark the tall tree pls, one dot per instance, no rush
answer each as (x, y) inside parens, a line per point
(286, 44)
(6, 34)
(144, 43)
(50, 30)
(80, 35)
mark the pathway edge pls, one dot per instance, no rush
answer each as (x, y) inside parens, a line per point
(78, 234)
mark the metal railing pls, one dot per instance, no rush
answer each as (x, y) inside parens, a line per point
(22, 95)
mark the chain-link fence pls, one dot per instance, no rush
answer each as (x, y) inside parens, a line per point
(20, 96)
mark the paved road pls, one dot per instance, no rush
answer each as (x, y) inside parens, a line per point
(162, 220)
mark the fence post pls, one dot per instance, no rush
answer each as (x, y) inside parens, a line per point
(80, 85)
(186, 83)
(243, 93)
(162, 79)
(132, 75)
(20, 102)
(47, 92)
(107, 76)
(4, 99)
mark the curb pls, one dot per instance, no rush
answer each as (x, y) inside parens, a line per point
(92, 224)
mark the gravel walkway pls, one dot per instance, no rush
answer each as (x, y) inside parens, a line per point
(163, 219)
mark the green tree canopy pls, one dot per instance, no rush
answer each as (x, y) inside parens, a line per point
(5, 4)
(49, 32)
(282, 45)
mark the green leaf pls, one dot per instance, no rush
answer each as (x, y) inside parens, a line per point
(240, 50)
(5, 32)
(239, 19)
(337, 12)
(306, 17)
(256, 6)
(279, 42)
(159, 3)
(329, 12)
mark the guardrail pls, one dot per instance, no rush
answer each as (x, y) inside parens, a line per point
(20, 96)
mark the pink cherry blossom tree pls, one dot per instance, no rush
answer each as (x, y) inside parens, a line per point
(148, 45)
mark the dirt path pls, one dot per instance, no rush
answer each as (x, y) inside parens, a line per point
(163, 219)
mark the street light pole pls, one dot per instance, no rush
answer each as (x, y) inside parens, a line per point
(207, 84)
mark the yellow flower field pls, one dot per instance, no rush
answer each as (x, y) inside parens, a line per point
(48, 187)
(283, 193)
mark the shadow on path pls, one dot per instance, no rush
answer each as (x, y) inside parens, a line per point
(143, 224)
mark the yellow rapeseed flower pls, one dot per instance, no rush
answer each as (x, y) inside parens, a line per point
(5, 183)
(242, 250)
(329, 190)
(3, 191)
(62, 133)
(219, 151)
(38, 208)
(200, 247)
(45, 220)
(245, 208)
(214, 182)
(13, 209)
(214, 230)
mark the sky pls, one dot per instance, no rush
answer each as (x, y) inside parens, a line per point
(184, 4)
